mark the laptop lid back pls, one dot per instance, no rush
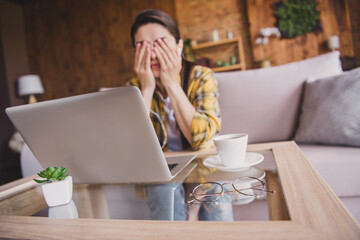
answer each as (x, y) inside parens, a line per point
(101, 137)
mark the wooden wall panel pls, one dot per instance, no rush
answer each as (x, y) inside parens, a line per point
(13, 63)
(334, 15)
(354, 9)
(79, 46)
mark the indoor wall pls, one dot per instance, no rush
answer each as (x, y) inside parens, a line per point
(197, 19)
(13, 63)
(335, 20)
(78, 46)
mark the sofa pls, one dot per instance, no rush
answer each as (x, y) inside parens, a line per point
(269, 105)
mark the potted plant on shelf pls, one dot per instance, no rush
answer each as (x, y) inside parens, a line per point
(57, 186)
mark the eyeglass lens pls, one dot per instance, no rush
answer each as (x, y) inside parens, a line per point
(208, 192)
(249, 186)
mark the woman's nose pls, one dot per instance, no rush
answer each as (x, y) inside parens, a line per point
(152, 53)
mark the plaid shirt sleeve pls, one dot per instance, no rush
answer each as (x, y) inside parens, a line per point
(134, 82)
(203, 94)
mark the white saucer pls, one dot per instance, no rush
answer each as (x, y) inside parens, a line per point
(217, 176)
(251, 159)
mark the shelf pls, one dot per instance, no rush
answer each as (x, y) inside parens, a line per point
(222, 50)
(227, 68)
(214, 44)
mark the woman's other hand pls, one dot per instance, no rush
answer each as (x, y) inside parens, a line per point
(170, 62)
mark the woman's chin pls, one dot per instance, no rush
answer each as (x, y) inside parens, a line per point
(156, 73)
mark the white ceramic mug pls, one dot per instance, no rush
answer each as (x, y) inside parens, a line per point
(231, 148)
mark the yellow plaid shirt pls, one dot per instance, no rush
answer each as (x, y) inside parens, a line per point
(203, 95)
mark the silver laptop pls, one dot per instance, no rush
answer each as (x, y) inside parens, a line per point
(102, 137)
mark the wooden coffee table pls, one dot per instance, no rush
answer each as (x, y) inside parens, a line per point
(309, 209)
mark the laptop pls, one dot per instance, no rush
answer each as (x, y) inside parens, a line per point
(101, 137)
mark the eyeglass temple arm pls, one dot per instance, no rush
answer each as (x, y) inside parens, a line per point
(254, 188)
(262, 190)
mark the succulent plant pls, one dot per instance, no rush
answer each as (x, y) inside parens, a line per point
(52, 174)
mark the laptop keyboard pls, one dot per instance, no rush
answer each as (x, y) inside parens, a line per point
(172, 165)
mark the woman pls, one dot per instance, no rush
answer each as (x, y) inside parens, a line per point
(182, 98)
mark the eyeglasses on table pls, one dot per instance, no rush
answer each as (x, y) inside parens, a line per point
(212, 191)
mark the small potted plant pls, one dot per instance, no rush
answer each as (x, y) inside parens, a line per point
(57, 186)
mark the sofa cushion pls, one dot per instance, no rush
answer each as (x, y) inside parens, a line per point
(330, 113)
(265, 102)
(338, 165)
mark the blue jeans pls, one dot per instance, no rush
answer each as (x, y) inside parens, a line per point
(220, 210)
(166, 201)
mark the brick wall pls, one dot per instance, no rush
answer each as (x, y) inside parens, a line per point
(197, 19)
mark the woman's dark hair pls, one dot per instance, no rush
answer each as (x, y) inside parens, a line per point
(155, 16)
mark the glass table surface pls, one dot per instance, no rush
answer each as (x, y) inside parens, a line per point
(104, 211)
(169, 201)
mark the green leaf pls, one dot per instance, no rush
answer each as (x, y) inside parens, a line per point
(64, 171)
(41, 174)
(56, 173)
(49, 171)
(63, 177)
(39, 181)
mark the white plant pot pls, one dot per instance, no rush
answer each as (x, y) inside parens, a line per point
(58, 193)
(64, 211)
